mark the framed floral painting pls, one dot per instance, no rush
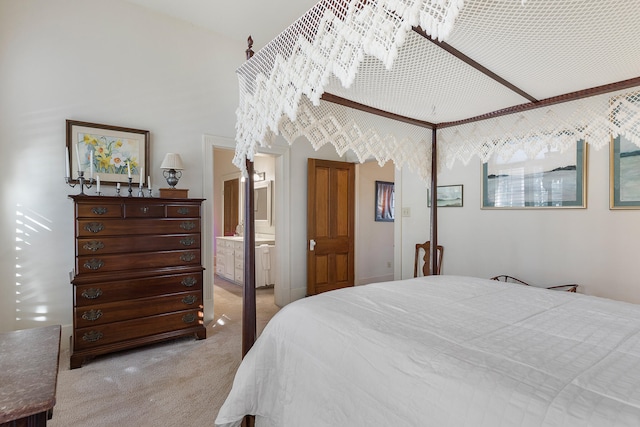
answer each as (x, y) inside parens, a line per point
(111, 152)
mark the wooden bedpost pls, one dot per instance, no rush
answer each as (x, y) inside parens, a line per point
(249, 327)
(434, 202)
(249, 288)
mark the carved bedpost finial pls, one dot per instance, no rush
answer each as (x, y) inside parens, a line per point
(249, 51)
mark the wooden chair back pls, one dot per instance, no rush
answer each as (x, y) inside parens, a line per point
(426, 259)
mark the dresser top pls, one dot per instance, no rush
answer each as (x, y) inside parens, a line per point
(28, 371)
(125, 199)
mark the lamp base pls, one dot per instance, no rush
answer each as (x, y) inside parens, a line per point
(174, 193)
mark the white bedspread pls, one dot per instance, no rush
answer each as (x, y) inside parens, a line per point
(443, 351)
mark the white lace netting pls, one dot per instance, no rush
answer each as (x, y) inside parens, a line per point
(331, 39)
(365, 53)
(365, 134)
(596, 120)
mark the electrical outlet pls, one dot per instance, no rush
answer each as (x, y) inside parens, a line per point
(406, 212)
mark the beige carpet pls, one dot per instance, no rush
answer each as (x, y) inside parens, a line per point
(177, 383)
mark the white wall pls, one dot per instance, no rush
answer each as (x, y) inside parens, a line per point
(594, 247)
(105, 62)
(374, 240)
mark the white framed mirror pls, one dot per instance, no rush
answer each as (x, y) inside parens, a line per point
(262, 209)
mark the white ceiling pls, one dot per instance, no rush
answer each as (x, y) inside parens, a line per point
(262, 19)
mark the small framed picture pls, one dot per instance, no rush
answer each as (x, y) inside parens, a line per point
(112, 152)
(385, 200)
(448, 196)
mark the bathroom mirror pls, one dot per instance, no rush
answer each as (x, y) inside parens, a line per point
(262, 203)
(233, 210)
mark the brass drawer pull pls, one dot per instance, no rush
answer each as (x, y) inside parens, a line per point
(189, 318)
(188, 225)
(188, 257)
(94, 227)
(92, 336)
(99, 210)
(93, 246)
(91, 293)
(189, 299)
(92, 315)
(94, 264)
(187, 241)
(188, 281)
(183, 211)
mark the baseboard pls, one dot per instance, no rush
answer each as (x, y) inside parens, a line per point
(66, 333)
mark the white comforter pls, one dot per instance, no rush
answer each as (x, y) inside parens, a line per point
(443, 351)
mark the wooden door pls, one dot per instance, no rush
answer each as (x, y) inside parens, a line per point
(231, 197)
(330, 225)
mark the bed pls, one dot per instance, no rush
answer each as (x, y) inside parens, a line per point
(443, 351)
(426, 84)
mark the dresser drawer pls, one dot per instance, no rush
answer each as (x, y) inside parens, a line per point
(110, 333)
(183, 211)
(99, 210)
(139, 260)
(120, 290)
(140, 210)
(105, 245)
(132, 309)
(121, 227)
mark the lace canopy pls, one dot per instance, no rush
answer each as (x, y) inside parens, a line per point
(438, 63)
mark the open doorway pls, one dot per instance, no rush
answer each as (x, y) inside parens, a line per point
(374, 239)
(228, 220)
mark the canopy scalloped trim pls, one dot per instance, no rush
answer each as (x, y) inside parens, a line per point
(331, 39)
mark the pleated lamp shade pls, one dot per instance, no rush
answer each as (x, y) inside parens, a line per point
(172, 161)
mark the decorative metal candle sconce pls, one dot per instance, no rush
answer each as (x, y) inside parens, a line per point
(81, 180)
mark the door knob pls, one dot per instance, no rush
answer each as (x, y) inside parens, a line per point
(312, 244)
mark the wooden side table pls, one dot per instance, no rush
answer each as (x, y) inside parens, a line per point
(28, 375)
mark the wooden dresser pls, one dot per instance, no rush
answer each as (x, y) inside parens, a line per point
(138, 273)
